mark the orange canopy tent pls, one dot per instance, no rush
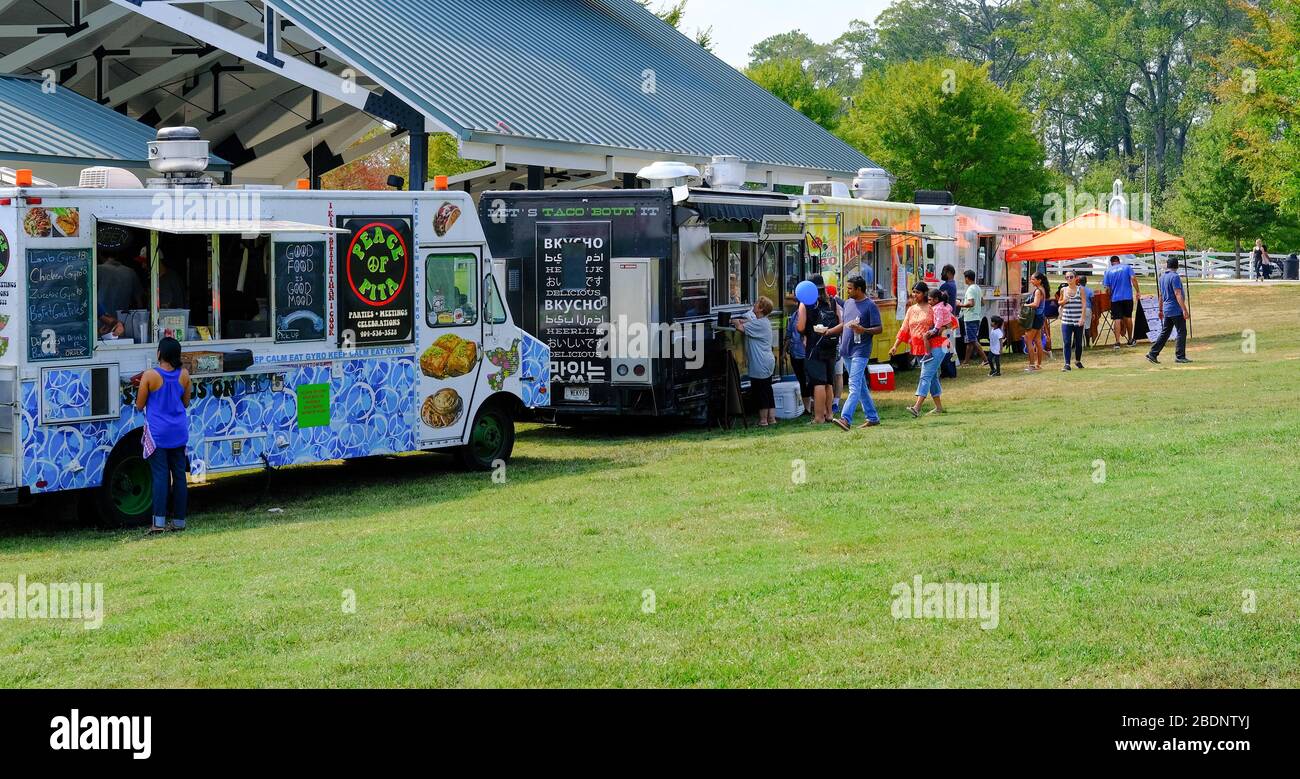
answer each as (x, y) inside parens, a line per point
(1092, 235)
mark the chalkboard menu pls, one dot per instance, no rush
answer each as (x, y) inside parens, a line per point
(58, 304)
(573, 260)
(300, 291)
(376, 294)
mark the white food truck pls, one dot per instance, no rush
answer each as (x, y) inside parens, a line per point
(317, 325)
(976, 239)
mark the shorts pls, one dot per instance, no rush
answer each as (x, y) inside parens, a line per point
(1121, 309)
(971, 328)
(820, 371)
(760, 390)
(1037, 324)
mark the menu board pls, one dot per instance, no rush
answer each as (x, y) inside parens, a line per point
(300, 291)
(58, 304)
(574, 268)
(376, 294)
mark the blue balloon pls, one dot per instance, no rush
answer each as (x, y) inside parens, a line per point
(806, 292)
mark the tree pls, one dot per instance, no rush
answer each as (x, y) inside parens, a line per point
(372, 170)
(1215, 202)
(943, 124)
(978, 31)
(825, 62)
(674, 13)
(789, 81)
(1260, 86)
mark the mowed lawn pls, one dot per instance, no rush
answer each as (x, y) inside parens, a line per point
(1139, 580)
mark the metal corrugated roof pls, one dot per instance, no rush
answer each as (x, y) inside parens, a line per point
(63, 126)
(570, 71)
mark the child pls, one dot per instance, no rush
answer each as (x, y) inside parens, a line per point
(943, 316)
(759, 360)
(164, 395)
(995, 346)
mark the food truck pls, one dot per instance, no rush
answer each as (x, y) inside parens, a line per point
(316, 326)
(876, 239)
(977, 239)
(632, 290)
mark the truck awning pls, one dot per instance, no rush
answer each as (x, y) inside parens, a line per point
(207, 226)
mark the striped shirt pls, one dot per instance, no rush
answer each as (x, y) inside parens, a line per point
(1072, 307)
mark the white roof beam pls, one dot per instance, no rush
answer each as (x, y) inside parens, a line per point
(47, 45)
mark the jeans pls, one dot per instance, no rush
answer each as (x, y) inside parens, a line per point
(859, 392)
(169, 469)
(930, 373)
(1073, 335)
(1170, 323)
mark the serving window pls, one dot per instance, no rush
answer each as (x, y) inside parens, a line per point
(450, 291)
(164, 278)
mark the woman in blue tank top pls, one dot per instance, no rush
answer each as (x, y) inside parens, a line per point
(164, 395)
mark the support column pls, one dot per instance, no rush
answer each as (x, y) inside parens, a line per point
(419, 170)
(536, 177)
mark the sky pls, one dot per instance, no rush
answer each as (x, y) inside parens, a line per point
(739, 24)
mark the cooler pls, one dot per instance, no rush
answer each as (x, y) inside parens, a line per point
(880, 377)
(789, 404)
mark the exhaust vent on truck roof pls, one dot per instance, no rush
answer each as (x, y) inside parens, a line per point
(933, 197)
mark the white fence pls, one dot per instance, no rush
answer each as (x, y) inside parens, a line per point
(1200, 265)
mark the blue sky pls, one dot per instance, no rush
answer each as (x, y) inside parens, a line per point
(739, 24)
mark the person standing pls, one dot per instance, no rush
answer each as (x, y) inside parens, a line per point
(861, 321)
(796, 348)
(821, 348)
(948, 286)
(1262, 262)
(760, 363)
(1174, 313)
(1033, 334)
(1121, 283)
(995, 345)
(1074, 312)
(972, 315)
(164, 397)
(917, 331)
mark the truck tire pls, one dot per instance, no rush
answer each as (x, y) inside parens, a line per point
(491, 438)
(125, 497)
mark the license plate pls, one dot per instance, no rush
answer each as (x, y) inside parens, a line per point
(577, 393)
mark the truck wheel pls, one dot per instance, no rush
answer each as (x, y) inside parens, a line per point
(125, 498)
(491, 438)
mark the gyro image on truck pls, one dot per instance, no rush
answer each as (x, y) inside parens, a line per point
(316, 325)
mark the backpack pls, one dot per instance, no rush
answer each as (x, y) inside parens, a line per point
(824, 346)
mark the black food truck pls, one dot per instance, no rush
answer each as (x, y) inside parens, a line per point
(633, 289)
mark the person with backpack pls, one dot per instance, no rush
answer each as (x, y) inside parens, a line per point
(164, 397)
(820, 347)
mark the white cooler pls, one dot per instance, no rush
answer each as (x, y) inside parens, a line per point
(789, 404)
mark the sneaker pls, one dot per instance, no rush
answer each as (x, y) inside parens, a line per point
(1078, 364)
(1065, 368)
(1151, 358)
(1117, 347)
(1182, 360)
(842, 423)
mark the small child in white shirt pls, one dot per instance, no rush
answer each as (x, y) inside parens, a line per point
(995, 346)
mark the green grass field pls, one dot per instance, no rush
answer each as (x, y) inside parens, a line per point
(756, 580)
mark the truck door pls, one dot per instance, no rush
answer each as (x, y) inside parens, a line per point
(451, 342)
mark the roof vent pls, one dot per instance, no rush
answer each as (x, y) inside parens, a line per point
(933, 197)
(826, 189)
(872, 184)
(181, 156)
(666, 175)
(725, 172)
(100, 177)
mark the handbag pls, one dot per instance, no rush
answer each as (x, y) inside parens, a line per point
(1027, 313)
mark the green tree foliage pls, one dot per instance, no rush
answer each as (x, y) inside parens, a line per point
(943, 124)
(673, 13)
(829, 65)
(1215, 201)
(978, 31)
(789, 81)
(1260, 86)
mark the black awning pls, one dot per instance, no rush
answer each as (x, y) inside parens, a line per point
(715, 206)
